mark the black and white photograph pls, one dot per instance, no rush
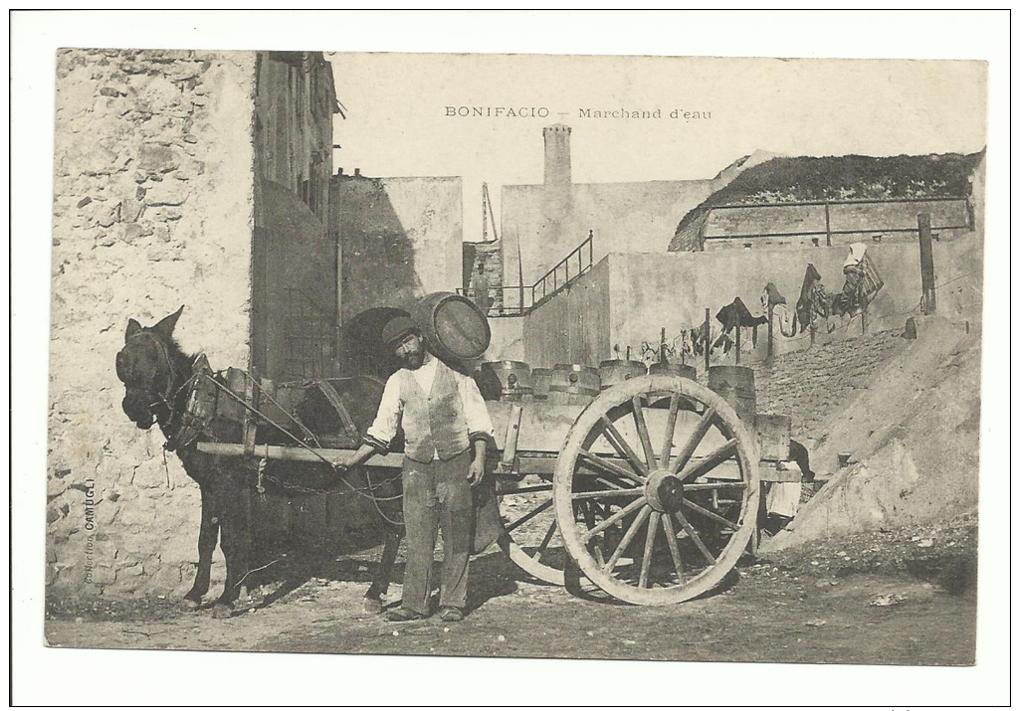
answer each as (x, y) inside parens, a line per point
(565, 355)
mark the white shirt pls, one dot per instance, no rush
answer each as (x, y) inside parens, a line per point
(391, 406)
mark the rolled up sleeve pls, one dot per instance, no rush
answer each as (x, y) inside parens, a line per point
(475, 412)
(387, 418)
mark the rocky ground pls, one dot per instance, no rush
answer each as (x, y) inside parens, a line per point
(904, 596)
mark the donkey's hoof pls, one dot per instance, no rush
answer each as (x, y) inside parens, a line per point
(191, 603)
(373, 606)
(221, 611)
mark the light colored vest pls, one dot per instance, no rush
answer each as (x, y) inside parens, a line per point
(433, 422)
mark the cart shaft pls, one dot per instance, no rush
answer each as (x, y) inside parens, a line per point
(297, 454)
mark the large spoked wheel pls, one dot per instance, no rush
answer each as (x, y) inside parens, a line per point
(673, 474)
(531, 537)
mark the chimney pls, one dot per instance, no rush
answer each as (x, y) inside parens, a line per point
(357, 172)
(557, 154)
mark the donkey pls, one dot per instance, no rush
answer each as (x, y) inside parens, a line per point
(157, 374)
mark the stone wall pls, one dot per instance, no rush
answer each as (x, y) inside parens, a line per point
(549, 221)
(400, 238)
(153, 205)
(488, 256)
(632, 297)
(812, 384)
(573, 326)
(779, 224)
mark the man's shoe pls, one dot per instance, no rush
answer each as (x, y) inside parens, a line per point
(403, 614)
(451, 614)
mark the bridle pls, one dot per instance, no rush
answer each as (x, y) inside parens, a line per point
(169, 395)
(166, 395)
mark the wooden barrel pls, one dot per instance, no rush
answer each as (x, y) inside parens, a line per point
(612, 372)
(452, 325)
(514, 378)
(541, 378)
(573, 384)
(684, 371)
(735, 384)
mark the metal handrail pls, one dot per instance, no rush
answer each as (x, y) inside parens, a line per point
(527, 305)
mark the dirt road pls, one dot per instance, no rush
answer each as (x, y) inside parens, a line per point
(902, 597)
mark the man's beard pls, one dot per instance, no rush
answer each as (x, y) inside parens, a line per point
(413, 361)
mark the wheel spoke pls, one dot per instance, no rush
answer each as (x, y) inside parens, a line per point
(646, 561)
(530, 515)
(694, 440)
(693, 535)
(709, 514)
(607, 493)
(589, 520)
(545, 541)
(667, 445)
(710, 461)
(674, 549)
(619, 515)
(627, 538)
(622, 448)
(610, 467)
(637, 404)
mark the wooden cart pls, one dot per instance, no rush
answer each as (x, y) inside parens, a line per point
(651, 490)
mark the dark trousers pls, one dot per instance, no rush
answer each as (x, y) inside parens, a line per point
(437, 496)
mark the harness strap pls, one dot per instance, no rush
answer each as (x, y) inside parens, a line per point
(250, 421)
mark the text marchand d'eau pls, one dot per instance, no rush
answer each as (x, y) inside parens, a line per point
(543, 112)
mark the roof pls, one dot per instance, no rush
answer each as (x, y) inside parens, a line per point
(850, 177)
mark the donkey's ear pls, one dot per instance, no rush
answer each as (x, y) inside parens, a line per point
(133, 327)
(165, 328)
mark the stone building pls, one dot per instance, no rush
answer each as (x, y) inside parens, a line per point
(834, 200)
(548, 220)
(398, 239)
(179, 177)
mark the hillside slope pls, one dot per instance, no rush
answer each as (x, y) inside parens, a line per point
(913, 440)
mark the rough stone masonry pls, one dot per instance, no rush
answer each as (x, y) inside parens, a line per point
(153, 206)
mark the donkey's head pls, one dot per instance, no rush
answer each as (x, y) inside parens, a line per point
(146, 367)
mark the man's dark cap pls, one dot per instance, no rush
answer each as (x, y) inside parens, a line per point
(397, 328)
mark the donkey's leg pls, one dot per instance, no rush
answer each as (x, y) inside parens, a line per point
(236, 548)
(381, 582)
(207, 535)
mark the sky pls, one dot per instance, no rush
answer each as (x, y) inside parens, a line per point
(398, 120)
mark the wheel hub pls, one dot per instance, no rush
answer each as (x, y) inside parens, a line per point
(664, 491)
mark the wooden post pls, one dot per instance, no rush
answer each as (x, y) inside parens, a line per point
(828, 229)
(708, 340)
(864, 307)
(738, 344)
(927, 264)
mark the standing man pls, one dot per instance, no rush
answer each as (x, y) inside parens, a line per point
(480, 289)
(446, 426)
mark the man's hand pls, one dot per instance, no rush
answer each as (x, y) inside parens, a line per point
(348, 461)
(476, 471)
